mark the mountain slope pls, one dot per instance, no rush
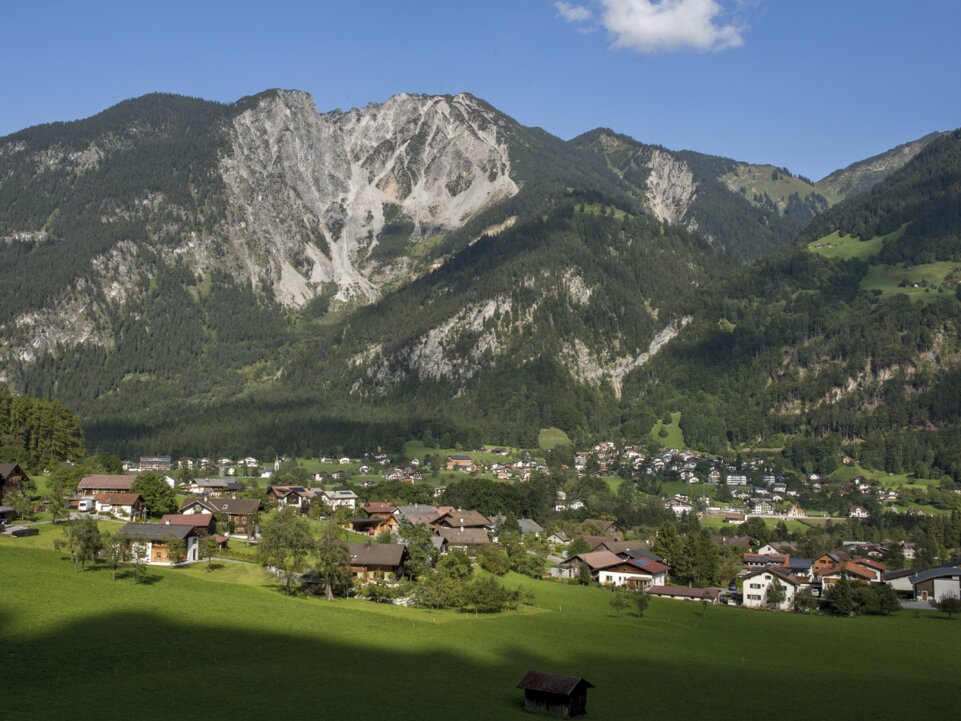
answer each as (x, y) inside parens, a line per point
(830, 347)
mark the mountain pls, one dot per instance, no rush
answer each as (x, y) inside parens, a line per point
(749, 210)
(863, 175)
(850, 336)
(190, 274)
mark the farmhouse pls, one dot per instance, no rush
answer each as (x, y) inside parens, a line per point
(205, 523)
(377, 560)
(554, 695)
(339, 499)
(459, 462)
(462, 519)
(212, 487)
(466, 539)
(149, 541)
(379, 509)
(374, 525)
(12, 478)
(240, 513)
(93, 484)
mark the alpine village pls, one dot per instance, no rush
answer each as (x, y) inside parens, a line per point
(413, 410)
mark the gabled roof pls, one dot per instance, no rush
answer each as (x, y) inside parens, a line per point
(782, 574)
(529, 525)
(900, 573)
(6, 469)
(117, 499)
(597, 560)
(379, 507)
(552, 683)
(377, 554)
(156, 532)
(97, 482)
(649, 566)
(463, 519)
(198, 520)
(468, 536)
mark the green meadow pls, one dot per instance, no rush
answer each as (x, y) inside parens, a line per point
(929, 278)
(674, 437)
(189, 644)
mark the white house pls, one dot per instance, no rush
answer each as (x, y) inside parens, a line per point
(122, 505)
(858, 512)
(150, 542)
(756, 585)
(635, 572)
(340, 499)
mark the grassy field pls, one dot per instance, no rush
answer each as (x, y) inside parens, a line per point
(929, 276)
(191, 644)
(886, 480)
(674, 437)
(549, 438)
(847, 247)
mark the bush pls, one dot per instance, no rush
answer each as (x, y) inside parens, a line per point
(494, 560)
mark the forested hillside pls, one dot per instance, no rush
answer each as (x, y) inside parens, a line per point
(37, 433)
(811, 350)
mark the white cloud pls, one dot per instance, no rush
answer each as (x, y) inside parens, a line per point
(652, 26)
(573, 13)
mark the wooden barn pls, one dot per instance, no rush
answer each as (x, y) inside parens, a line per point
(555, 695)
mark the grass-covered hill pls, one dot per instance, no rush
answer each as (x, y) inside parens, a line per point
(192, 644)
(849, 337)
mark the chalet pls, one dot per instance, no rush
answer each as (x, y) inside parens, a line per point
(462, 519)
(369, 561)
(290, 496)
(936, 583)
(734, 541)
(149, 541)
(636, 573)
(828, 561)
(554, 695)
(795, 512)
(205, 523)
(466, 539)
(128, 506)
(683, 593)
(850, 570)
(155, 463)
(375, 525)
(240, 513)
(734, 518)
(801, 568)
(378, 509)
(213, 487)
(761, 506)
(758, 582)
(858, 512)
(678, 507)
(417, 514)
(559, 538)
(595, 560)
(94, 484)
(12, 478)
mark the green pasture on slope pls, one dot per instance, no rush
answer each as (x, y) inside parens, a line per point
(189, 644)
(674, 437)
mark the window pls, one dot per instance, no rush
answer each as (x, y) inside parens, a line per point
(755, 585)
(753, 597)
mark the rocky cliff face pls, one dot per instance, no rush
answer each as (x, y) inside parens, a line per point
(341, 198)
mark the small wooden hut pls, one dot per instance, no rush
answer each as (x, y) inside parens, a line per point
(554, 695)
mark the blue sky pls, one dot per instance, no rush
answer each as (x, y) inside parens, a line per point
(812, 85)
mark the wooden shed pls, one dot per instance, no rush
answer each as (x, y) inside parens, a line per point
(554, 694)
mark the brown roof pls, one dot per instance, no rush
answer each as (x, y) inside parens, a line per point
(376, 554)
(598, 559)
(379, 507)
(467, 519)
(467, 537)
(117, 499)
(98, 482)
(596, 541)
(199, 520)
(552, 683)
(7, 468)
